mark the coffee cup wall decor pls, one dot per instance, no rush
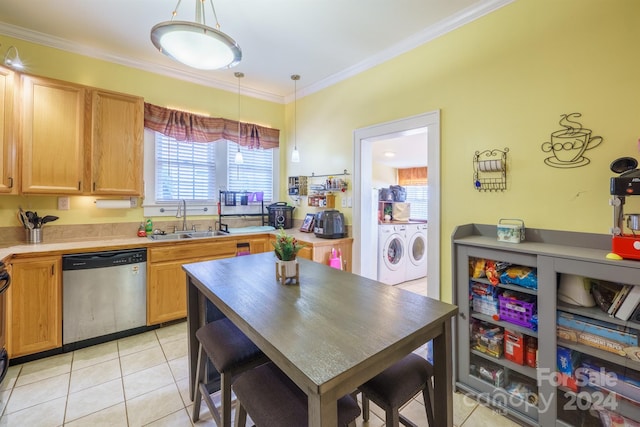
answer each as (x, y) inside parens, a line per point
(569, 144)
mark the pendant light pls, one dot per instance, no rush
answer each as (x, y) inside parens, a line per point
(239, 160)
(295, 154)
(194, 43)
(12, 59)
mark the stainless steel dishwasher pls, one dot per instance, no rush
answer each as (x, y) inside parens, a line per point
(104, 294)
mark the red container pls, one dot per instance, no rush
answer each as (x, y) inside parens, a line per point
(514, 347)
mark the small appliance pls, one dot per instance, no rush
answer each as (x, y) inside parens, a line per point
(625, 245)
(575, 290)
(329, 224)
(392, 253)
(280, 215)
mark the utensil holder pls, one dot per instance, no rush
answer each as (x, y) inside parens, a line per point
(33, 235)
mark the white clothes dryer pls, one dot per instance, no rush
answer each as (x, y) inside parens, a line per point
(417, 251)
(392, 253)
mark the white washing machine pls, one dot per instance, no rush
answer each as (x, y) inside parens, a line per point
(416, 265)
(392, 253)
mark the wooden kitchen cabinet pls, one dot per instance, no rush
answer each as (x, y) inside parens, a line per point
(8, 182)
(255, 245)
(117, 125)
(306, 253)
(53, 126)
(322, 252)
(34, 306)
(166, 281)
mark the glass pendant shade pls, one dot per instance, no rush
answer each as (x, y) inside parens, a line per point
(12, 59)
(195, 44)
(239, 160)
(295, 155)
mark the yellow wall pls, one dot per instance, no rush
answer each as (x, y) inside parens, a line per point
(154, 88)
(501, 81)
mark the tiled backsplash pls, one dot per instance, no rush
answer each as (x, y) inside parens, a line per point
(78, 232)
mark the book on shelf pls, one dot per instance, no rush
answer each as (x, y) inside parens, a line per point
(617, 300)
(629, 304)
(635, 316)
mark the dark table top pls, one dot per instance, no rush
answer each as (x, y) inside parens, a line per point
(335, 325)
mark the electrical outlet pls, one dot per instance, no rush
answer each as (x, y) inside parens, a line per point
(344, 202)
(63, 203)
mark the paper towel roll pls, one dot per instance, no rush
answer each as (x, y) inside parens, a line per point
(113, 204)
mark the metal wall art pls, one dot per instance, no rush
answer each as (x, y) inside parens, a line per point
(569, 144)
(490, 170)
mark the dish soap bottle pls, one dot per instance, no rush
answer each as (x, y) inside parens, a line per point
(149, 227)
(141, 230)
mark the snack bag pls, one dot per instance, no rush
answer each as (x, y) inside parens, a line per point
(522, 276)
(476, 267)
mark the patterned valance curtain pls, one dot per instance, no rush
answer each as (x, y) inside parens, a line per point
(185, 126)
(412, 176)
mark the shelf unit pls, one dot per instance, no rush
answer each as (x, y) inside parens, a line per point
(234, 204)
(320, 189)
(551, 253)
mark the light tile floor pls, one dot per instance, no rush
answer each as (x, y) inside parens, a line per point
(142, 381)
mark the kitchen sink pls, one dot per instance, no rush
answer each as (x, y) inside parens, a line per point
(187, 235)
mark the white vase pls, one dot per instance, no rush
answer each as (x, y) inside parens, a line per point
(289, 267)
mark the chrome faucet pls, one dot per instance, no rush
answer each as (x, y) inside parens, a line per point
(182, 213)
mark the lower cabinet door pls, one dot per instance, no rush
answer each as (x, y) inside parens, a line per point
(35, 306)
(166, 292)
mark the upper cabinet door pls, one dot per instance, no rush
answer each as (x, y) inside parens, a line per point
(53, 117)
(8, 182)
(117, 126)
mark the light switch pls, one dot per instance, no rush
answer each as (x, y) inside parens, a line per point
(344, 202)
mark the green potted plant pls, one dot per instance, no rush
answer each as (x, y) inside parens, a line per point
(286, 248)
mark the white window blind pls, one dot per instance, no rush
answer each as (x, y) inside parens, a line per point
(184, 170)
(418, 196)
(254, 174)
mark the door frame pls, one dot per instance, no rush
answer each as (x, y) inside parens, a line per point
(365, 220)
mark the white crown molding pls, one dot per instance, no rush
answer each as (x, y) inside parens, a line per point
(459, 19)
(180, 74)
(451, 23)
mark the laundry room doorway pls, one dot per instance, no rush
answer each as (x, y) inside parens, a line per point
(365, 220)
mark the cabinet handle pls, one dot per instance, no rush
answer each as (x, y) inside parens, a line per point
(94, 186)
(53, 269)
(79, 185)
(10, 182)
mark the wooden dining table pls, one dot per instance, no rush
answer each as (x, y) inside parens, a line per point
(330, 333)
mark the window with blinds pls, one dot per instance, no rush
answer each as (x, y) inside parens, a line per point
(196, 171)
(418, 196)
(254, 174)
(184, 170)
(414, 180)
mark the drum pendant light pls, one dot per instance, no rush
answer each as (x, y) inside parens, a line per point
(295, 154)
(239, 160)
(194, 43)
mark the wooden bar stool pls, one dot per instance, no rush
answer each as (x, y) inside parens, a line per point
(231, 352)
(272, 400)
(398, 384)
